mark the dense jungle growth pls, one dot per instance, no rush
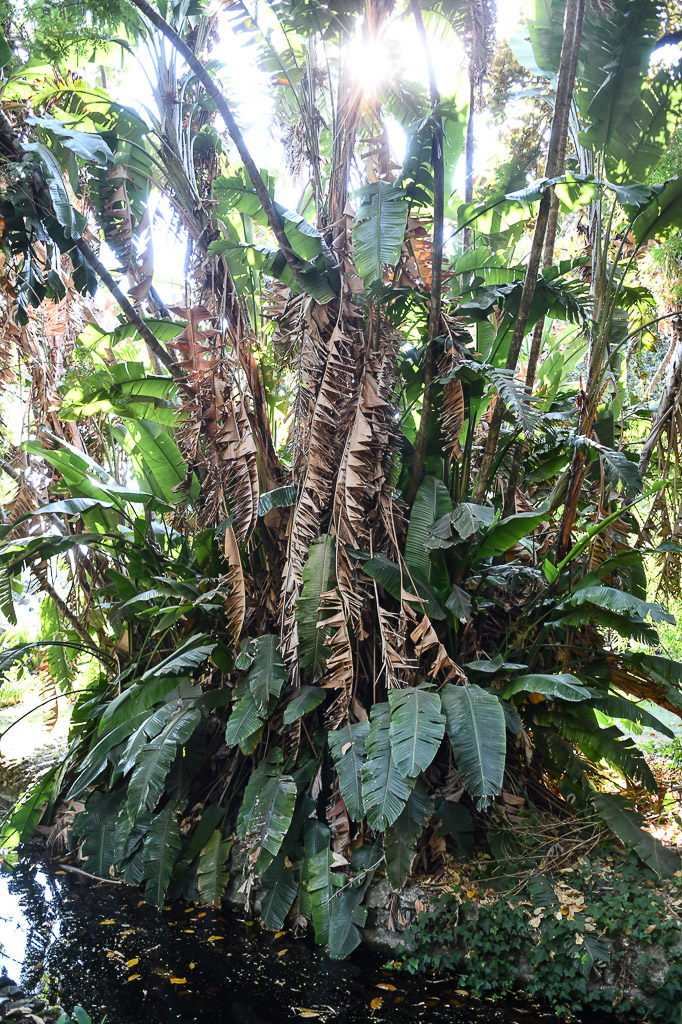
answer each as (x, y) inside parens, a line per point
(354, 553)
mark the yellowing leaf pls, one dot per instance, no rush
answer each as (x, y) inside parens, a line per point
(177, 981)
(278, 935)
(376, 1003)
(471, 893)
(214, 938)
(108, 921)
(388, 988)
(131, 963)
(134, 977)
(192, 966)
(281, 952)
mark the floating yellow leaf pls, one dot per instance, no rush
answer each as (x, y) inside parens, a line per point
(108, 921)
(376, 1003)
(281, 952)
(214, 938)
(141, 903)
(134, 977)
(278, 935)
(389, 988)
(189, 910)
(192, 966)
(188, 931)
(308, 1013)
(135, 960)
(177, 981)
(202, 914)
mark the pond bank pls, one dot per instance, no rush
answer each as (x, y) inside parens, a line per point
(102, 946)
(628, 972)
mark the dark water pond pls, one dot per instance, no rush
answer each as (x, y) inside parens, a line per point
(99, 945)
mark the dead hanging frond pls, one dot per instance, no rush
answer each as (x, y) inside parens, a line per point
(234, 439)
(194, 354)
(328, 432)
(398, 667)
(363, 485)
(235, 602)
(453, 412)
(216, 438)
(340, 674)
(426, 643)
(116, 215)
(301, 342)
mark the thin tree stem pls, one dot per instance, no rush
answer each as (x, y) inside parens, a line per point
(129, 310)
(575, 16)
(430, 366)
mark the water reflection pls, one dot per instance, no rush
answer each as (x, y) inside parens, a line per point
(102, 946)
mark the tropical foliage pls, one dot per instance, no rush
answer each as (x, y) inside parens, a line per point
(352, 545)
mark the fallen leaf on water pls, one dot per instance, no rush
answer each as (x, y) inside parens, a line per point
(192, 966)
(60, 872)
(108, 921)
(111, 954)
(281, 952)
(141, 903)
(202, 914)
(135, 960)
(134, 977)
(188, 931)
(308, 1013)
(214, 938)
(128, 931)
(189, 910)
(376, 1003)
(389, 988)
(278, 935)
(178, 981)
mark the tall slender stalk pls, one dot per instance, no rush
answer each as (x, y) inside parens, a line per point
(436, 264)
(573, 26)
